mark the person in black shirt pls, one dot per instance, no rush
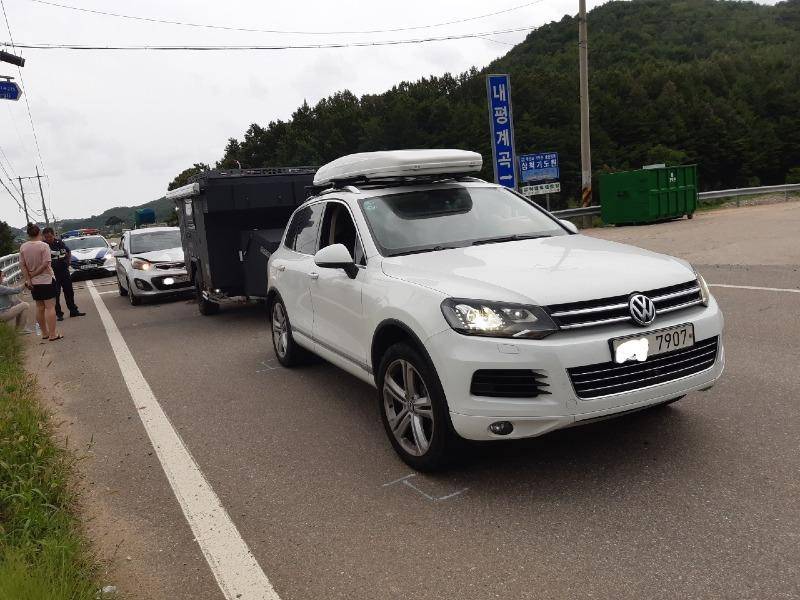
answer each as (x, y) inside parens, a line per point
(59, 259)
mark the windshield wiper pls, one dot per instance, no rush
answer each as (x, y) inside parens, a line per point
(508, 238)
(434, 249)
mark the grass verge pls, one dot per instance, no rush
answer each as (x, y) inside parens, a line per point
(43, 554)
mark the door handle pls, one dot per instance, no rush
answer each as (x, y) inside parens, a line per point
(281, 267)
(314, 275)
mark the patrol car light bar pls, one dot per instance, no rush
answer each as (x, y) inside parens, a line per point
(398, 163)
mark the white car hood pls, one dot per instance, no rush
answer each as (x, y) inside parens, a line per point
(544, 271)
(168, 255)
(96, 252)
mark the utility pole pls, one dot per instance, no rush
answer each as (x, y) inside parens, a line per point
(586, 152)
(24, 204)
(41, 193)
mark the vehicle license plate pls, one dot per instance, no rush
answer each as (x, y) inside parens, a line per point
(653, 343)
(181, 278)
(87, 267)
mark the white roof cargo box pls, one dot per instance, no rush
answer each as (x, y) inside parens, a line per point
(398, 163)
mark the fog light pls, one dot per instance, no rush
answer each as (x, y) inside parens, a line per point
(501, 428)
(168, 281)
(143, 285)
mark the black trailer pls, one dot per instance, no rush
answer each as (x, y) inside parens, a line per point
(231, 221)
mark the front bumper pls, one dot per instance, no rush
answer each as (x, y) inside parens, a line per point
(156, 282)
(91, 270)
(456, 357)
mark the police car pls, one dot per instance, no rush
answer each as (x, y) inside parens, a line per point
(91, 254)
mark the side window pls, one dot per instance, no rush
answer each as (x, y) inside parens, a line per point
(338, 228)
(301, 235)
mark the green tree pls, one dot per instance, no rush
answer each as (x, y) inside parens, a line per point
(7, 243)
(113, 222)
(182, 178)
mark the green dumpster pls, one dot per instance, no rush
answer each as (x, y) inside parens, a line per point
(649, 194)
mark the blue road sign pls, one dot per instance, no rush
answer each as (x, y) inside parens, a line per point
(9, 91)
(498, 89)
(542, 166)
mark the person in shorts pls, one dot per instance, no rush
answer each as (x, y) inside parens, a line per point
(34, 260)
(59, 261)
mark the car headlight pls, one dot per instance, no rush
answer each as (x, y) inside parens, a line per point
(497, 319)
(705, 294)
(141, 264)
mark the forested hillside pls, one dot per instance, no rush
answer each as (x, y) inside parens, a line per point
(708, 81)
(164, 210)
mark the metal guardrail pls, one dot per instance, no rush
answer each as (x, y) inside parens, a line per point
(753, 191)
(10, 266)
(590, 211)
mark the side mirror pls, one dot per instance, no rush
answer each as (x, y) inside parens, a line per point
(336, 256)
(571, 227)
(119, 253)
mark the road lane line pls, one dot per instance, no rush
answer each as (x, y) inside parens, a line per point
(235, 568)
(754, 287)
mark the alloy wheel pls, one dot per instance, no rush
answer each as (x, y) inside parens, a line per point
(280, 329)
(408, 407)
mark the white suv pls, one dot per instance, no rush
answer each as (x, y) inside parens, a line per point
(477, 314)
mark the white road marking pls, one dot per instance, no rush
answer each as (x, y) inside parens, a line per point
(754, 287)
(108, 292)
(235, 568)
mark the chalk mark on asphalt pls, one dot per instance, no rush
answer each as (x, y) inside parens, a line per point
(406, 481)
(236, 570)
(267, 367)
(754, 287)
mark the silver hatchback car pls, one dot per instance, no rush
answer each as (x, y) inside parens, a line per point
(150, 264)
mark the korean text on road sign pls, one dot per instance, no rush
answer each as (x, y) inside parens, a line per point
(502, 128)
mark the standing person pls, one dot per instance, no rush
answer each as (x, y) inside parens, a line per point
(34, 260)
(11, 308)
(59, 260)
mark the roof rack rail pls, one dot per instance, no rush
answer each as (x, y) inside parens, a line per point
(261, 171)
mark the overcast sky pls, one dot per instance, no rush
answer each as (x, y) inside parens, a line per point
(115, 127)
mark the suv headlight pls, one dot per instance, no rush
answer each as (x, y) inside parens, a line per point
(141, 264)
(497, 319)
(705, 294)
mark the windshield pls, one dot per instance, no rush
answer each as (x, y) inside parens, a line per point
(425, 220)
(155, 240)
(94, 241)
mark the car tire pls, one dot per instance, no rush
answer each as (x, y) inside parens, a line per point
(414, 409)
(206, 307)
(132, 298)
(122, 290)
(288, 353)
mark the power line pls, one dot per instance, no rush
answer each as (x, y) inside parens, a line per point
(283, 31)
(462, 36)
(24, 89)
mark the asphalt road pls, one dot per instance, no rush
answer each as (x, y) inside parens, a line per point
(698, 500)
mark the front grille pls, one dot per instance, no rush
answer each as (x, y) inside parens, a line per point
(508, 383)
(574, 315)
(604, 379)
(167, 266)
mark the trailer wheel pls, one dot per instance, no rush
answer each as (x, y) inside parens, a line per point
(206, 307)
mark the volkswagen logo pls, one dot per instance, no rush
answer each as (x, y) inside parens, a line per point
(642, 309)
